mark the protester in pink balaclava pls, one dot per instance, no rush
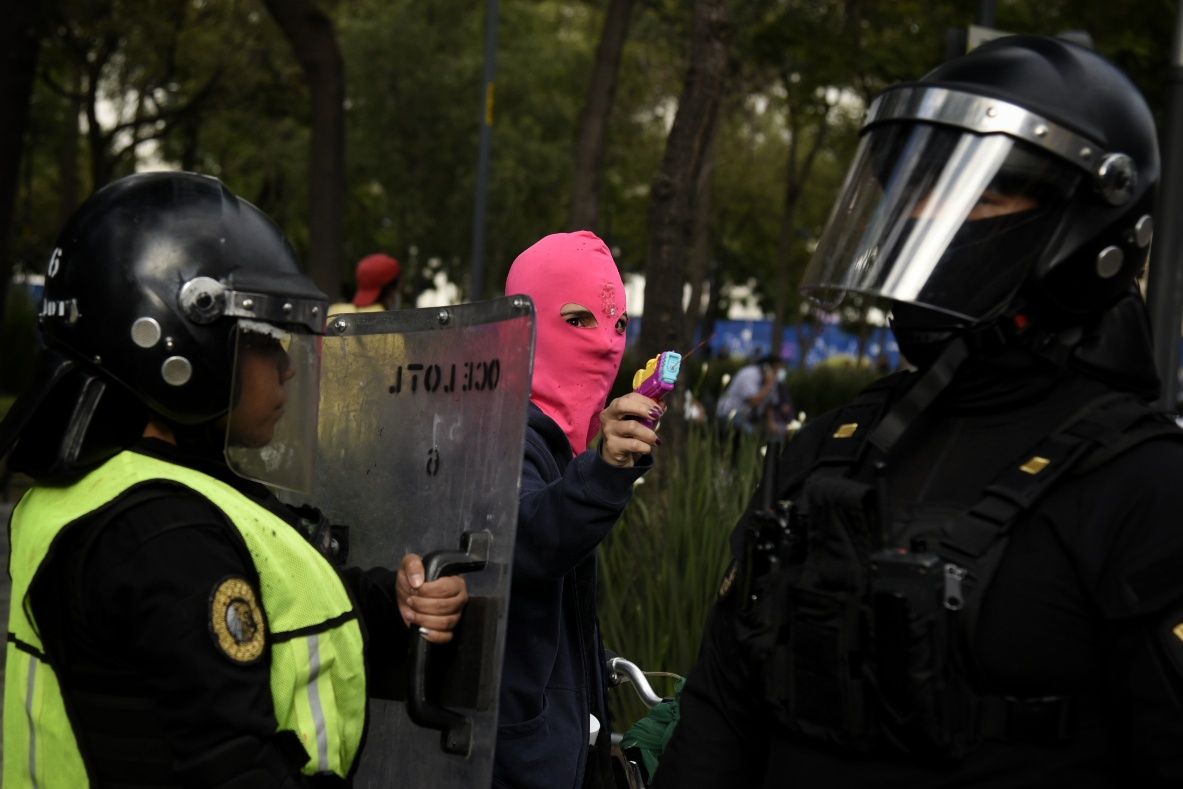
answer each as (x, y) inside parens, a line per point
(570, 496)
(581, 317)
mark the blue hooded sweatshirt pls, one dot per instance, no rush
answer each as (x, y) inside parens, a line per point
(553, 676)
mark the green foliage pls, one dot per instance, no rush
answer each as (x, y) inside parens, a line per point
(814, 390)
(661, 566)
(213, 86)
(805, 71)
(208, 86)
(827, 386)
(651, 73)
(413, 73)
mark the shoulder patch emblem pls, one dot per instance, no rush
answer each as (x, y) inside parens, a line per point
(236, 621)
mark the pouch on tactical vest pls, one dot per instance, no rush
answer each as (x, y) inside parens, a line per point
(914, 602)
(818, 673)
(864, 652)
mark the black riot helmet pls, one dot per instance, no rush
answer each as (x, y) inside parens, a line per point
(154, 282)
(148, 278)
(1020, 175)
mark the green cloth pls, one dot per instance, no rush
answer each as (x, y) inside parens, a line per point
(652, 733)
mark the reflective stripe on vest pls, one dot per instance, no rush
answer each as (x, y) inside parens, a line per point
(317, 667)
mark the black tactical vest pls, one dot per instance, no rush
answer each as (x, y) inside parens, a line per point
(862, 626)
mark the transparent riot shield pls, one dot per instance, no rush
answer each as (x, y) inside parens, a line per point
(421, 431)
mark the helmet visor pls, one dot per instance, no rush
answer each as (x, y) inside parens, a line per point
(939, 217)
(271, 428)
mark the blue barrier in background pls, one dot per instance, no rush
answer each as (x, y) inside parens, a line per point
(817, 344)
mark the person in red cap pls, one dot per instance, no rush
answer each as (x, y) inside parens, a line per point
(377, 286)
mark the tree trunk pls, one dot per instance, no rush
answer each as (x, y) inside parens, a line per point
(712, 308)
(671, 200)
(864, 337)
(20, 41)
(784, 245)
(701, 250)
(807, 331)
(190, 149)
(69, 187)
(593, 122)
(796, 175)
(313, 37)
(102, 157)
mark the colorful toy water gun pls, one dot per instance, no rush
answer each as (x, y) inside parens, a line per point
(656, 378)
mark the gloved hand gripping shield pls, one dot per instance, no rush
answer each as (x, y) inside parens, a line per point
(951, 202)
(421, 431)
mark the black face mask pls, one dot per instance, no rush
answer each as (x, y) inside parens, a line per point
(922, 333)
(988, 258)
(987, 261)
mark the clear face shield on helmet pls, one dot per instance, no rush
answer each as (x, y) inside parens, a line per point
(940, 217)
(271, 427)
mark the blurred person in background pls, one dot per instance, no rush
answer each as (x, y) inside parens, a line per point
(378, 277)
(751, 394)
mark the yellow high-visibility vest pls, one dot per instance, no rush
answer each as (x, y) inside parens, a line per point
(317, 663)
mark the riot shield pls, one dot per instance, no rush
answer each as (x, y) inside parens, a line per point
(421, 432)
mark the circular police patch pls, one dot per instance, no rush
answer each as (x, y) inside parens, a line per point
(236, 621)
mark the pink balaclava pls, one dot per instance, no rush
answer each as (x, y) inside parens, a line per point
(574, 367)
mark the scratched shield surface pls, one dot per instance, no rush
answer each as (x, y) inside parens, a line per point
(421, 431)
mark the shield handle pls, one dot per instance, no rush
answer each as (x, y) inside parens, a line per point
(455, 728)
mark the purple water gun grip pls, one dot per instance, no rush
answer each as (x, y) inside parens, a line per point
(656, 386)
(654, 390)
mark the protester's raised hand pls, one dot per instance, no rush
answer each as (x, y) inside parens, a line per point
(625, 439)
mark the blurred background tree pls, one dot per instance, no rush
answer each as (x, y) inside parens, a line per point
(587, 96)
(703, 139)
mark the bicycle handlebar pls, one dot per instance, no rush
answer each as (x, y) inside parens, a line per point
(621, 671)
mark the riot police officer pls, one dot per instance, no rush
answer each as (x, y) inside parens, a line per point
(969, 576)
(171, 622)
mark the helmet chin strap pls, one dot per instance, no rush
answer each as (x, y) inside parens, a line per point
(934, 380)
(956, 345)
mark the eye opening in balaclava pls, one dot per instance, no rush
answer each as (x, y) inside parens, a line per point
(581, 317)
